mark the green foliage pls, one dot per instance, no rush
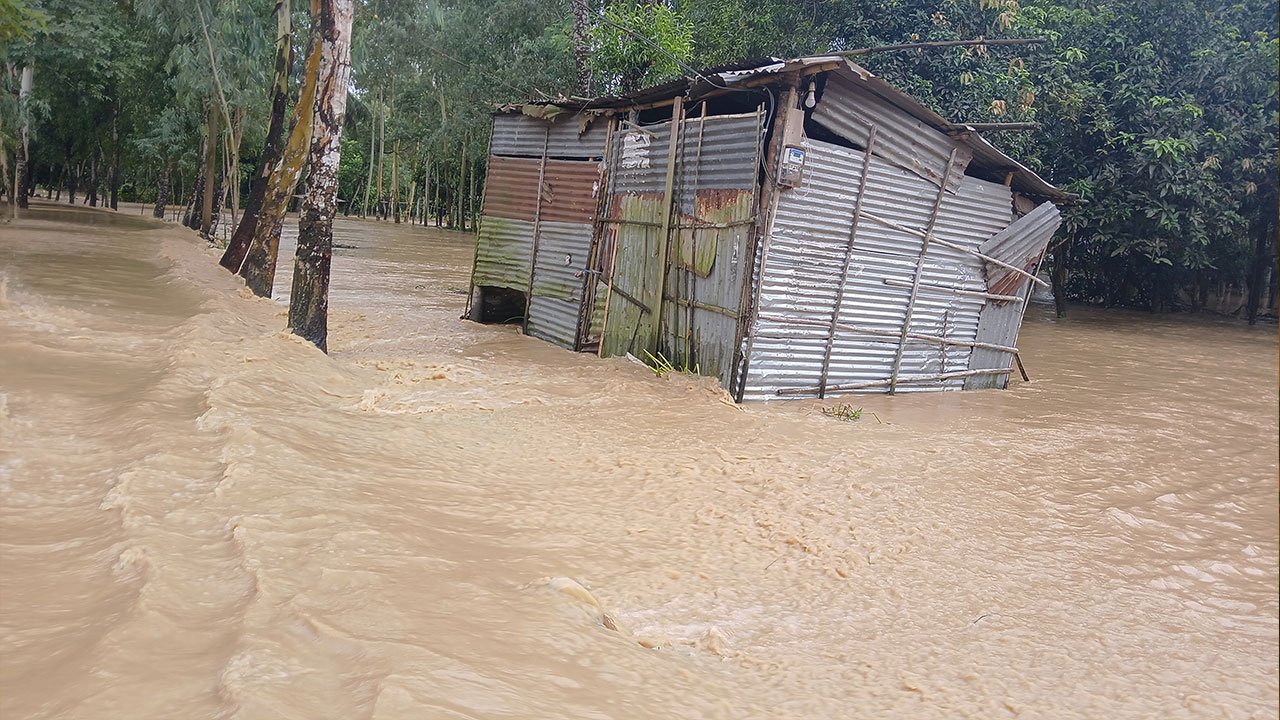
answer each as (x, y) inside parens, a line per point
(843, 412)
(661, 366)
(19, 19)
(1161, 116)
(636, 44)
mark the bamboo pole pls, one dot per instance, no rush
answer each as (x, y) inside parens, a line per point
(537, 224)
(910, 379)
(848, 256)
(960, 248)
(956, 290)
(919, 271)
(690, 275)
(664, 240)
(863, 330)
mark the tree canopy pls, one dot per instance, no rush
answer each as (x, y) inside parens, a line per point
(1162, 116)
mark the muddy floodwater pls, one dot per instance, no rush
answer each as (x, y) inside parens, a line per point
(203, 517)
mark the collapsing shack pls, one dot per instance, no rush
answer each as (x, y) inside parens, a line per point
(794, 228)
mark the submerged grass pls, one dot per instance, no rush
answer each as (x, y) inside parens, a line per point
(660, 365)
(843, 412)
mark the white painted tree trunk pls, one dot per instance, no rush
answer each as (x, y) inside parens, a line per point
(309, 299)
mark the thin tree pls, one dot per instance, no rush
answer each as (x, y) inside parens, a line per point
(581, 50)
(238, 247)
(309, 300)
(22, 182)
(259, 269)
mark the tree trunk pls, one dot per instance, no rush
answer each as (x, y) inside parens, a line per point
(581, 58)
(1262, 260)
(216, 215)
(92, 198)
(259, 268)
(238, 246)
(382, 154)
(162, 188)
(23, 169)
(115, 156)
(395, 181)
(373, 134)
(191, 215)
(309, 298)
(1059, 278)
(413, 189)
(73, 180)
(210, 170)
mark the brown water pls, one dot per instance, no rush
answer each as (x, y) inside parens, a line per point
(201, 516)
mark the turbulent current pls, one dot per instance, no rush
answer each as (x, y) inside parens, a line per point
(201, 516)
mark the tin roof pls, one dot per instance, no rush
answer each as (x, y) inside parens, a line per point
(764, 71)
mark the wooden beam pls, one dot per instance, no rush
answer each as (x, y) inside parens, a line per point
(942, 44)
(964, 127)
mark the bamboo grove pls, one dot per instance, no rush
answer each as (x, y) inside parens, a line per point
(1162, 117)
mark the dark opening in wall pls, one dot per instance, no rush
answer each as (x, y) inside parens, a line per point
(499, 305)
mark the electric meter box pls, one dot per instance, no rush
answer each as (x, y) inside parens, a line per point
(792, 169)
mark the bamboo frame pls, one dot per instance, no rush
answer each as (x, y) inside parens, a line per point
(863, 330)
(590, 280)
(848, 257)
(960, 248)
(767, 209)
(919, 271)
(956, 290)
(695, 304)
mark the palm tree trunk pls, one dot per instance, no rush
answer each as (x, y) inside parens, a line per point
(309, 298)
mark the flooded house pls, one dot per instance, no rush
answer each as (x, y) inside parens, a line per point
(795, 228)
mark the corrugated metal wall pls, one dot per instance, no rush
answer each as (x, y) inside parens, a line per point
(800, 276)
(633, 224)
(556, 218)
(520, 135)
(713, 220)
(716, 190)
(849, 109)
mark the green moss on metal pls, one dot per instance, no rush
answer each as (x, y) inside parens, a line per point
(502, 253)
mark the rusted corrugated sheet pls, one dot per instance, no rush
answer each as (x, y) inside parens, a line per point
(567, 185)
(517, 134)
(716, 196)
(849, 109)
(558, 281)
(1021, 244)
(800, 276)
